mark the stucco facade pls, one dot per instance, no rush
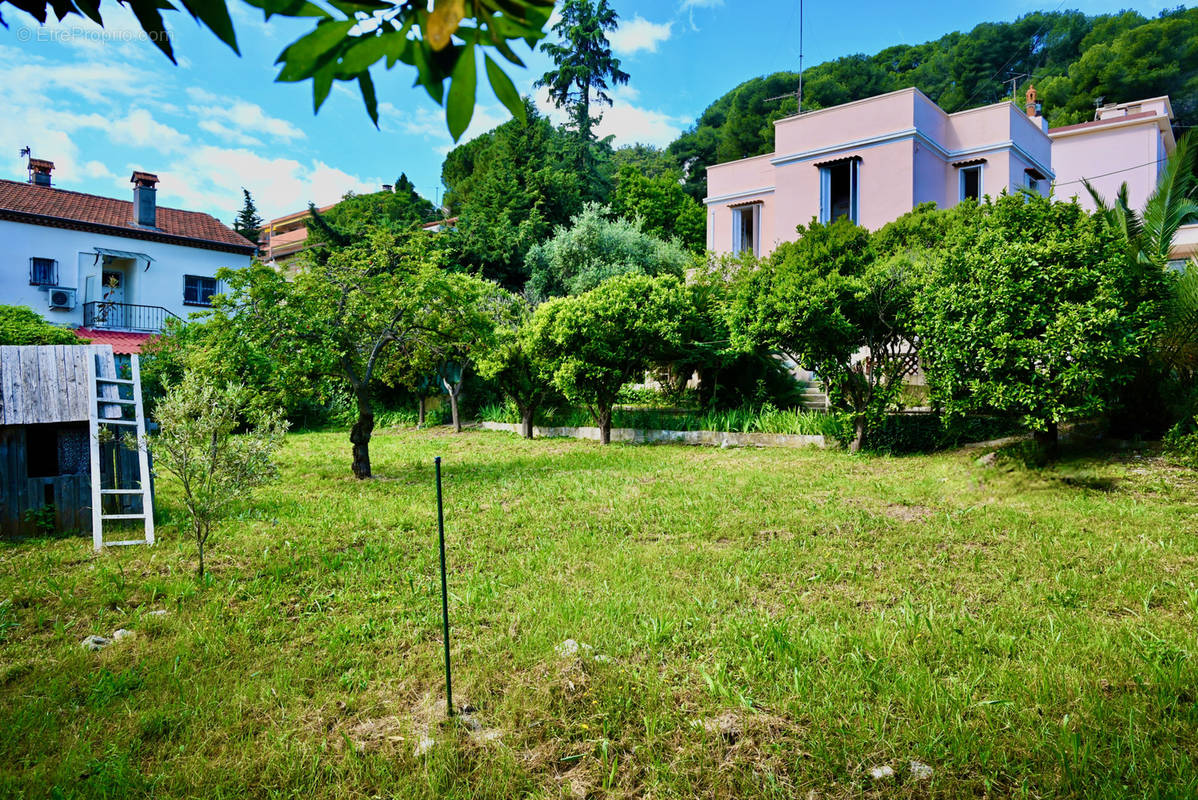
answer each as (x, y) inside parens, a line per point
(1126, 143)
(157, 282)
(109, 267)
(872, 160)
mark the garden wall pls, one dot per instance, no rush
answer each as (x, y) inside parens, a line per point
(638, 436)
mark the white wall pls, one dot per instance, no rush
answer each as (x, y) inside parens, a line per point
(160, 285)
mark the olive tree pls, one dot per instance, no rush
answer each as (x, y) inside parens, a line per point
(196, 442)
(597, 341)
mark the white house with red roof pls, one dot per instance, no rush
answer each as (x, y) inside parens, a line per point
(114, 270)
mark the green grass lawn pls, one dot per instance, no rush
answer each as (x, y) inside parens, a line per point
(772, 623)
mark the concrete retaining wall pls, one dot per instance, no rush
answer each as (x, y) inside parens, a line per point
(637, 436)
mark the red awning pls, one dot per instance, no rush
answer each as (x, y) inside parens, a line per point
(123, 342)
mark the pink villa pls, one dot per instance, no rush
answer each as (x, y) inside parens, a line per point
(873, 160)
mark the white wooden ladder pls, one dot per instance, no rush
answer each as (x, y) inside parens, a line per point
(106, 410)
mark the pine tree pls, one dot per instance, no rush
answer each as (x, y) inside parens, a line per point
(248, 223)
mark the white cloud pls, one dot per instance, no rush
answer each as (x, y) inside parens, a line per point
(220, 129)
(689, 7)
(239, 120)
(139, 128)
(430, 123)
(626, 122)
(210, 178)
(637, 34)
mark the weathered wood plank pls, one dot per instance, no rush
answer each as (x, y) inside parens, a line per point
(49, 391)
(33, 408)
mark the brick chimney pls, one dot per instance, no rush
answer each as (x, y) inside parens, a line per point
(145, 204)
(39, 171)
(1033, 107)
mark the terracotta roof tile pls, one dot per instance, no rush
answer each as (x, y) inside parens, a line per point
(123, 342)
(63, 208)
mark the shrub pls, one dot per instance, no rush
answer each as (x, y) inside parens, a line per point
(21, 325)
(196, 444)
(1181, 443)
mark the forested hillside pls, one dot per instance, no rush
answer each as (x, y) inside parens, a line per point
(1072, 58)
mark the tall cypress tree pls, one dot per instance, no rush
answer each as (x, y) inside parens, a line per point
(584, 61)
(248, 222)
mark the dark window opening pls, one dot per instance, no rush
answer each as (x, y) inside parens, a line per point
(43, 272)
(840, 191)
(198, 290)
(41, 451)
(971, 183)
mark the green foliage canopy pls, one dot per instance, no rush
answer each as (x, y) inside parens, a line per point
(1033, 311)
(600, 340)
(594, 248)
(22, 325)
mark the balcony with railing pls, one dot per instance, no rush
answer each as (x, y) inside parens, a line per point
(102, 315)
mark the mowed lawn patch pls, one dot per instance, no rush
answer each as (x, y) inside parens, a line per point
(758, 623)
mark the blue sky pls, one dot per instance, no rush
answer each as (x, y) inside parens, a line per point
(101, 104)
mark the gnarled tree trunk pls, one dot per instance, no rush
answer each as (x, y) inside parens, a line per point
(604, 420)
(359, 435)
(420, 413)
(526, 415)
(858, 435)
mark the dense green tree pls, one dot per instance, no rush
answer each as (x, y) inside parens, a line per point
(1147, 404)
(662, 207)
(592, 249)
(652, 162)
(248, 222)
(831, 306)
(401, 207)
(514, 363)
(23, 325)
(368, 314)
(1034, 311)
(509, 189)
(584, 67)
(598, 341)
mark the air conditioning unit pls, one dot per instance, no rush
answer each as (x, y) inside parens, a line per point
(60, 298)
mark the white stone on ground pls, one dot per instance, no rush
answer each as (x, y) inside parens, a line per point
(94, 642)
(121, 633)
(920, 771)
(424, 745)
(881, 773)
(570, 648)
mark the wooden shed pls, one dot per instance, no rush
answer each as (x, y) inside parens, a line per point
(51, 442)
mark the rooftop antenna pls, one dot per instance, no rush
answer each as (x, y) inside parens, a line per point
(798, 95)
(1014, 81)
(26, 152)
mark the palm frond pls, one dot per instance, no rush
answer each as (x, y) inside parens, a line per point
(1171, 205)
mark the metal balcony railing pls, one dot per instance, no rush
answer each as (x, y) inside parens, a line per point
(125, 316)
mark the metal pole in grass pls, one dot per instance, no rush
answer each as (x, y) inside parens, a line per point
(444, 592)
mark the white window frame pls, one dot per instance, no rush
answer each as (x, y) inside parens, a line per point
(825, 191)
(961, 182)
(738, 244)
